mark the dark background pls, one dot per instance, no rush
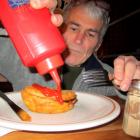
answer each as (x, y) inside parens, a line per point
(122, 37)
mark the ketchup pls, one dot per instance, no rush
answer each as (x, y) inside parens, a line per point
(50, 92)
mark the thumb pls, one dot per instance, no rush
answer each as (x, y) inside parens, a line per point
(57, 19)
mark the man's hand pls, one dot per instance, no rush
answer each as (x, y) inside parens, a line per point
(126, 68)
(37, 4)
(56, 19)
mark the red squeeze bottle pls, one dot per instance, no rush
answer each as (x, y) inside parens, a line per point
(37, 41)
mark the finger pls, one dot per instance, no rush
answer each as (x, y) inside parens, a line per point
(37, 4)
(119, 68)
(116, 82)
(57, 19)
(130, 69)
(110, 76)
(137, 73)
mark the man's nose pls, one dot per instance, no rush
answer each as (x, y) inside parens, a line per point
(79, 38)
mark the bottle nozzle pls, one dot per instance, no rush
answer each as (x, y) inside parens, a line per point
(55, 76)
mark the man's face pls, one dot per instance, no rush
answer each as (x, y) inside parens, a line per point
(81, 36)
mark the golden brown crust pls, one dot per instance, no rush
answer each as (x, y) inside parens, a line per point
(38, 102)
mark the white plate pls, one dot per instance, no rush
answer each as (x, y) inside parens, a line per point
(89, 111)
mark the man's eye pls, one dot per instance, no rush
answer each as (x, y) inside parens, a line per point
(91, 35)
(73, 28)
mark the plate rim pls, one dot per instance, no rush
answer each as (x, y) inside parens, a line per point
(27, 126)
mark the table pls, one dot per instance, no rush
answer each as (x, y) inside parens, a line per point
(111, 131)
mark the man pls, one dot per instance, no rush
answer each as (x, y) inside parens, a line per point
(85, 23)
(82, 36)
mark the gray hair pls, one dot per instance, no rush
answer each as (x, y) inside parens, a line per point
(96, 8)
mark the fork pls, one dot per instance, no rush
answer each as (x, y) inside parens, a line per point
(96, 78)
(22, 114)
(99, 78)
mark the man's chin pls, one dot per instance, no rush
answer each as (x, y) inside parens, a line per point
(74, 61)
(72, 64)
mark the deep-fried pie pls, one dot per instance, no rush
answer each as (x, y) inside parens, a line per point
(36, 101)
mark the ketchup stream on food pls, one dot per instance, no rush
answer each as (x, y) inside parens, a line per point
(50, 92)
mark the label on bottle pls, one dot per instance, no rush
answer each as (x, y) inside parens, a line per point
(16, 3)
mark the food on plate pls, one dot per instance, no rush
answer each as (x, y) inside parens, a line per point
(38, 101)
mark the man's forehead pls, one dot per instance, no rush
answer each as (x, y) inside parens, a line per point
(78, 17)
(90, 29)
